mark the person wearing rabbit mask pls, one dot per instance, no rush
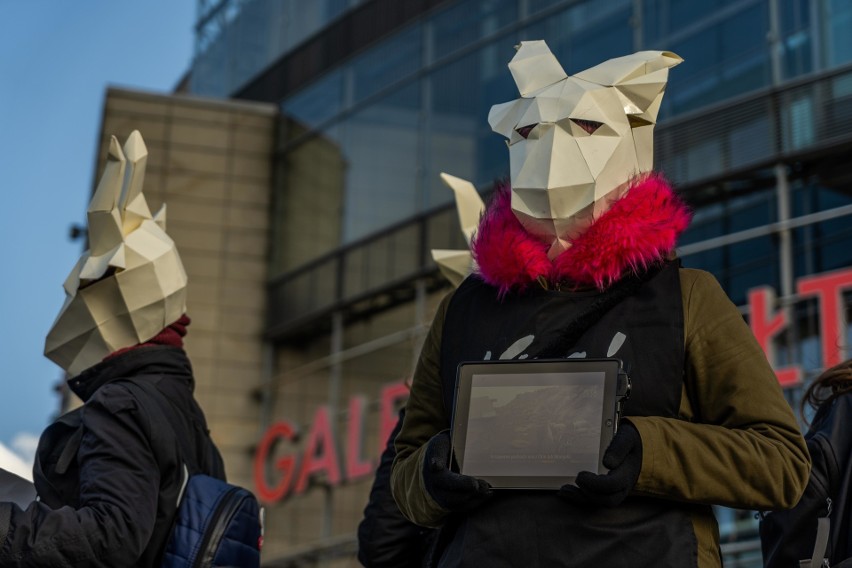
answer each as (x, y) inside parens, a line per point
(576, 259)
(107, 488)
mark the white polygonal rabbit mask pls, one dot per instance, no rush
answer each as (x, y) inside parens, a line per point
(576, 142)
(131, 283)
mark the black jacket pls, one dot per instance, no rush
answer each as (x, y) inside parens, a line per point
(386, 539)
(108, 485)
(789, 536)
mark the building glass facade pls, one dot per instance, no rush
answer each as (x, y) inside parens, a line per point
(376, 98)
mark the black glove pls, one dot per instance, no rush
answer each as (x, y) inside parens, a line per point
(623, 458)
(452, 491)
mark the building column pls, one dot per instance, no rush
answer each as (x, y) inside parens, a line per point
(335, 377)
(785, 237)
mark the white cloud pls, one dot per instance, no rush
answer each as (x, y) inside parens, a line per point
(25, 444)
(12, 462)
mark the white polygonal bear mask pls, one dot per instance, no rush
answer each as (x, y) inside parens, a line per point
(576, 142)
(131, 283)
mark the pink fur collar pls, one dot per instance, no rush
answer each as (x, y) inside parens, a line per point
(639, 230)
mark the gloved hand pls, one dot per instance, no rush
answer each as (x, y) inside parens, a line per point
(623, 458)
(452, 491)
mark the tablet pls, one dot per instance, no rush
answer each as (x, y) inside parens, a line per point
(536, 424)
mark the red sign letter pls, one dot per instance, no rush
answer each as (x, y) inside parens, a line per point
(828, 288)
(276, 432)
(320, 453)
(355, 466)
(766, 326)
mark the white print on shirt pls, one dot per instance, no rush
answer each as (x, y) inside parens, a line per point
(615, 344)
(515, 350)
(617, 341)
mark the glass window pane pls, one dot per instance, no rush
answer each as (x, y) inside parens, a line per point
(318, 103)
(387, 63)
(725, 60)
(683, 13)
(468, 21)
(838, 40)
(822, 246)
(586, 34)
(381, 148)
(460, 141)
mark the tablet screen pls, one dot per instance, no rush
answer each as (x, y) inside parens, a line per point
(534, 424)
(551, 427)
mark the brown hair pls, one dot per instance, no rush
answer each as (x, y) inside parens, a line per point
(826, 387)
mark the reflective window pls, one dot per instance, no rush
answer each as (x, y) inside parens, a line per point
(460, 141)
(534, 6)
(468, 21)
(335, 8)
(318, 103)
(387, 63)
(796, 44)
(838, 40)
(256, 34)
(663, 18)
(725, 60)
(797, 120)
(822, 246)
(707, 223)
(741, 265)
(380, 145)
(586, 33)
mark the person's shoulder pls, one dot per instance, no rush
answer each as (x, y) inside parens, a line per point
(114, 397)
(833, 416)
(697, 277)
(697, 284)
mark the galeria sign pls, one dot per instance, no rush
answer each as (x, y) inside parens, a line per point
(766, 322)
(320, 454)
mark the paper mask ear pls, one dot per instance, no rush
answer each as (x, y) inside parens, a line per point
(133, 206)
(639, 79)
(103, 215)
(535, 67)
(117, 208)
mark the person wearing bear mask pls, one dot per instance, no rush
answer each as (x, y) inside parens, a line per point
(576, 259)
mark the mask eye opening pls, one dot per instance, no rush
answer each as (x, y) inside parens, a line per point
(590, 126)
(524, 131)
(110, 271)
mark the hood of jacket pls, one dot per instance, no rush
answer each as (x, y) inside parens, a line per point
(638, 231)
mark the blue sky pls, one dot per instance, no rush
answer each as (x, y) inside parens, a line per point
(56, 60)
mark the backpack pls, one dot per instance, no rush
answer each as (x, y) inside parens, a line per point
(217, 523)
(816, 532)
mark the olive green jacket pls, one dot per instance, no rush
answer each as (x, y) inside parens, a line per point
(736, 442)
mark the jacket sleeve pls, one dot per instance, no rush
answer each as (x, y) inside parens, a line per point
(425, 416)
(119, 487)
(738, 444)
